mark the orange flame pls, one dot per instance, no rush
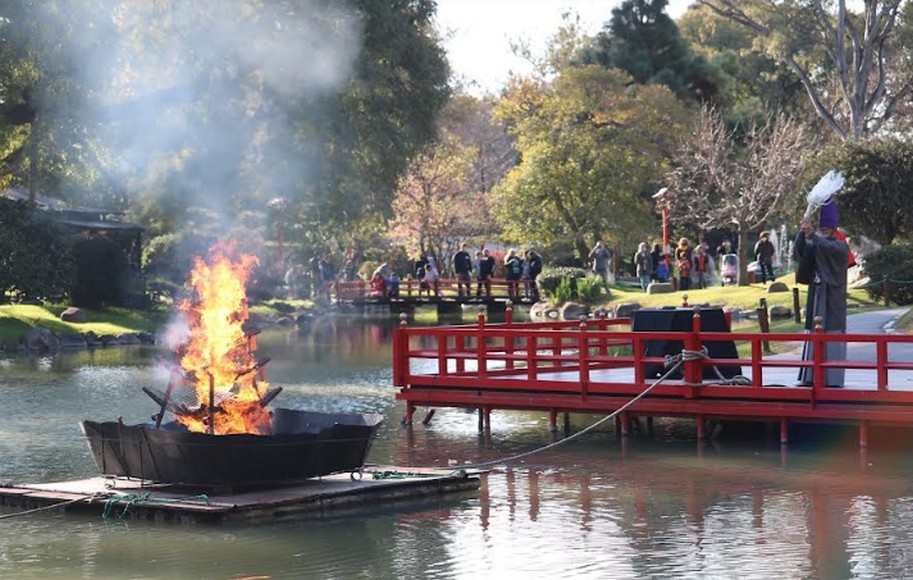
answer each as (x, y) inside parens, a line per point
(217, 353)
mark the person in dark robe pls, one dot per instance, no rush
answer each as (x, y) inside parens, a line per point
(823, 260)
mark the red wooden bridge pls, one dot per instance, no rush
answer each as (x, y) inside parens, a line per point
(447, 295)
(598, 365)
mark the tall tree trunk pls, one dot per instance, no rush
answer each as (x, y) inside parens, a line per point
(583, 250)
(744, 255)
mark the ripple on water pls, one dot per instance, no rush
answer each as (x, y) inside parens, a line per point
(597, 507)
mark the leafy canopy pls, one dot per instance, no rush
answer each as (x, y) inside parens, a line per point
(160, 105)
(590, 145)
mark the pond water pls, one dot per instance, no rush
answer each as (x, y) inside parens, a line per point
(598, 507)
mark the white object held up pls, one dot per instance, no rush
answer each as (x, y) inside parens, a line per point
(826, 188)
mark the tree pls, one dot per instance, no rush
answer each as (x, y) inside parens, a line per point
(43, 141)
(718, 182)
(434, 206)
(35, 254)
(754, 82)
(590, 147)
(221, 104)
(852, 71)
(644, 41)
(472, 121)
(388, 110)
(875, 200)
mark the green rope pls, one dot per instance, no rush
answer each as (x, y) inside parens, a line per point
(399, 475)
(131, 499)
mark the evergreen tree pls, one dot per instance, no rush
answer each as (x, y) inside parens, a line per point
(644, 41)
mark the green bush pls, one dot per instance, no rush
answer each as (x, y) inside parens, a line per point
(589, 289)
(35, 254)
(551, 277)
(894, 262)
(575, 286)
(565, 292)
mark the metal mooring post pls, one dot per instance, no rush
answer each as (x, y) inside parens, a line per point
(797, 310)
(764, 322)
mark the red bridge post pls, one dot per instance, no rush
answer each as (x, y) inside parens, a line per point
(818, 346)
(694, 368)
(481, 354)
(583, 353)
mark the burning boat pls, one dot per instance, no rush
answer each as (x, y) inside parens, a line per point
(223, 432)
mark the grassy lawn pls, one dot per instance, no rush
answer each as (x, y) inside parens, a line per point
(748, 298)
(16, 320)
(735, 297)
(905, 324)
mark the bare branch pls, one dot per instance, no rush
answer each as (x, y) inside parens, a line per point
(730, 10)
(857, 95)
(714, 185)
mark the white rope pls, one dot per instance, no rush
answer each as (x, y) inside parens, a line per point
(579, 433)
(88, 498)
(672, 363)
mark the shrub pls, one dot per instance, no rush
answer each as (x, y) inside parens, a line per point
(169, 257)
(566, 291)
(589, 289)
(35, 254)
(571, 284)
(894, 262)
(550, 278)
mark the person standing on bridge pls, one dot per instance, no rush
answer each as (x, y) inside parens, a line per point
(513, 265)
(533, 267)
(823, 260)
(462, 267)
(485, 271)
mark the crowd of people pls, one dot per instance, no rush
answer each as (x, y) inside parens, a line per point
(689, 263)
(686, 265)
(521, 272)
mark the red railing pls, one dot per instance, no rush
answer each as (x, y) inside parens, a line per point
(561, 365)
(445, 287)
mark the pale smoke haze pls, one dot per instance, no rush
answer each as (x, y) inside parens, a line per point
(203, 89)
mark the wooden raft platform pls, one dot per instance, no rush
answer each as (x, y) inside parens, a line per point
(115, 498)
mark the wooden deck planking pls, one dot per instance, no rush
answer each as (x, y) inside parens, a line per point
(173, 503)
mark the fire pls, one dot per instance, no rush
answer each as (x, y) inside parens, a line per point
(218, 357)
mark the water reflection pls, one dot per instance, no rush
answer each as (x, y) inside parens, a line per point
(598, 507)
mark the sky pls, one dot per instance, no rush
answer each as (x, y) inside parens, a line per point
(477, 33)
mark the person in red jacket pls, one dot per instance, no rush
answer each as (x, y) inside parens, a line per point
(683, 261)
(701, 265)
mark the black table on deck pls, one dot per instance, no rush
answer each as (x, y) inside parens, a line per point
(679, 320)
